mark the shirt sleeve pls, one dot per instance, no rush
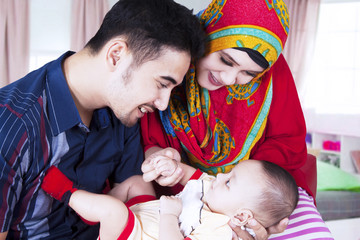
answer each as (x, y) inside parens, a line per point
(13, 161)
(283, 141)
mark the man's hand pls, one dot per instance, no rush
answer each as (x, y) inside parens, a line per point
(163, 167)
(261, 233)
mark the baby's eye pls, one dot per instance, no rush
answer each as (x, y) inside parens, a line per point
(227, 183)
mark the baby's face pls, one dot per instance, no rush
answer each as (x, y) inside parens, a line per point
(237, 189)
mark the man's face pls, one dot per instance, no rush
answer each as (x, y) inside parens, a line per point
(135, 90)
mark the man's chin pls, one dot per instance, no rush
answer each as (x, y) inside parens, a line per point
(129, 123)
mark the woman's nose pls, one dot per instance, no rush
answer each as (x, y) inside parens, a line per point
(228, 77)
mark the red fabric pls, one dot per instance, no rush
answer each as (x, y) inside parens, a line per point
(283, 141)
(168, 191)
(260, 120)
(260, 13)
(129, 227)
(57, 184)
(310, 171)
(197, 174)
(155, 135)
(139, 199)
(255, 24)
(213, 135)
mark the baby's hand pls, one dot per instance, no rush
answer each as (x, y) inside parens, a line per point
(149, 166)
(163, 167)
(170, 205)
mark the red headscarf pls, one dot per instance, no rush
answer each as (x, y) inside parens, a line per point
(261, 25)
(218, 129)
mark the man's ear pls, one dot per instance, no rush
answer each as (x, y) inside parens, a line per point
(241, 217)
(116, 50)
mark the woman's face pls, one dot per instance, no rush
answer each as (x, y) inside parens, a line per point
(226, 67)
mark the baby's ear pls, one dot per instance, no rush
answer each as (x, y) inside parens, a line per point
(241, 217)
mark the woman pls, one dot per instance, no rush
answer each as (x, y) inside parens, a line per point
(239, 101)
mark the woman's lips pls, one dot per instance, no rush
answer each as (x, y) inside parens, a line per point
(213, 80)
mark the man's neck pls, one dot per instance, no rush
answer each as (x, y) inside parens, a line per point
(80, 76)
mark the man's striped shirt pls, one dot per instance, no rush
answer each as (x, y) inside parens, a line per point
(39, 127)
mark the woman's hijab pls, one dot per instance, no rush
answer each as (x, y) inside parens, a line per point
(217, 129)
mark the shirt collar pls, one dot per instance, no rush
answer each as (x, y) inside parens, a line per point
(61, 108)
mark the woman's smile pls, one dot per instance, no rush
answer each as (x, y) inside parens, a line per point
(213, 80)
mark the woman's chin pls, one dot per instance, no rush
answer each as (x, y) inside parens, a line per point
(209, 86)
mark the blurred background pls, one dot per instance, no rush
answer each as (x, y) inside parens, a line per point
(323, 52)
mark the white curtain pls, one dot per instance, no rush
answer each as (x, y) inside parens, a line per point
(87, 16)
(299, 47)
(14, 40)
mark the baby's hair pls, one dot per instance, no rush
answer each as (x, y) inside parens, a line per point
(279, 197)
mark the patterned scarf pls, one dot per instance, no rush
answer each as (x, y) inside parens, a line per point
(217, 129)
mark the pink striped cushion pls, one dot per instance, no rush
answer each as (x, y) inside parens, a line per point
(305, 222)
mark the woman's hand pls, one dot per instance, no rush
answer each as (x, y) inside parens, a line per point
(261, 233)
(163, 167)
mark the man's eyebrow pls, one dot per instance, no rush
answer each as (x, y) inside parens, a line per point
(170, 79)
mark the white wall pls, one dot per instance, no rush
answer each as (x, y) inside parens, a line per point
(340, 124)
(196, 5)
(50, 27)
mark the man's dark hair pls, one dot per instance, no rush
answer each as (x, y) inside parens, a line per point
(150, 25)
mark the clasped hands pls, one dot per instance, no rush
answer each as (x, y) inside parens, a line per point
(163, 167)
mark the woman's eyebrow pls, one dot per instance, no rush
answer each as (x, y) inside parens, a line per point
(255, 72)
(230, 58)
(233, 61)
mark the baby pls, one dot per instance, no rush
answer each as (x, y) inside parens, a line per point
(252, 189)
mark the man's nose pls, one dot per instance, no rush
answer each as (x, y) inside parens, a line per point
(162, 102)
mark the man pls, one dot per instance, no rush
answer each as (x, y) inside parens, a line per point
(80, 113)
